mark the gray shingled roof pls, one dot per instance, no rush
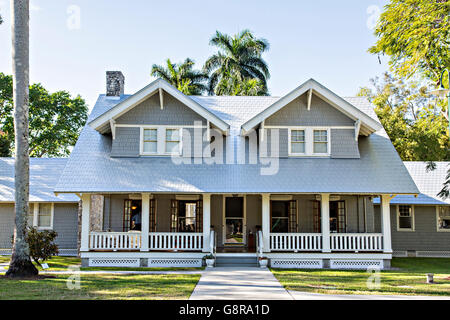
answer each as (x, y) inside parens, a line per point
(429, 184)
(44, 174)
(91, 169)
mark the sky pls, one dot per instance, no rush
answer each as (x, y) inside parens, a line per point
(73, 43)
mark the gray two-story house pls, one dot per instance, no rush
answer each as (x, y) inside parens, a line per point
(290, 179)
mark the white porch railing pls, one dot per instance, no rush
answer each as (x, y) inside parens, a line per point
(295, 242)
(176, 241)
(356, 242)
(114, 241)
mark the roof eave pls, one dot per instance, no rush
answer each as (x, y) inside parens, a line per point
(103, 120)
(325, 94)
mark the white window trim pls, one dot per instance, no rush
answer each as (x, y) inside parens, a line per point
(36, 215)
(161, 141)
(413, 225)
(309, 142)
(180, 143)
(141, 138)
(437, 221)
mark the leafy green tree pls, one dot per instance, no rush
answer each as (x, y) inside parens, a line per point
(55, 120)
(182, 76)
(415, 34)
(415, 125)
(238, 60)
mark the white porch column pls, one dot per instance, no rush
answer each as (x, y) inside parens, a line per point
(386, 223)
(206, 222)
(325, 218)
(266, 221)
(145, 223)
(85, 212)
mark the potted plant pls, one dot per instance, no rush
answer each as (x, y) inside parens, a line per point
(263, 262)
(209, 260)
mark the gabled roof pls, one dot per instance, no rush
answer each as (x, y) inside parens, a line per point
(91, 169)
(44, 174)
(103, 120)
(367, 122)
(429, 184)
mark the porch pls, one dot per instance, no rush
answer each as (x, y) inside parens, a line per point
(291, 230)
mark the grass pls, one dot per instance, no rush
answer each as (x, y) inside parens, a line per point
(104, 287)
(409, 279)
(62, 263)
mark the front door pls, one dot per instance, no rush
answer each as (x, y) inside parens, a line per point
(234, 224)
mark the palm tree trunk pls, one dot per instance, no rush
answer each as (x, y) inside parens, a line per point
(21, 265)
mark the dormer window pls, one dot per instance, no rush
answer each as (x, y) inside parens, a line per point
(160, 141)
(150, 141)
(320, 141)
(298, 141)
(172, 145)
(309, 141)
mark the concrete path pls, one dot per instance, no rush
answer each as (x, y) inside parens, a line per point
(239, 284)
(260, 284)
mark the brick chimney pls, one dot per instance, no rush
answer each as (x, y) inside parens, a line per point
(115, 83)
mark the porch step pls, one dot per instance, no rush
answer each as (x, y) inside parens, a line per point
(235, 261)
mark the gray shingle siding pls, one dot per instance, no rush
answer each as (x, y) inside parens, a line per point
(149, 112)
(424, 238)
(65, 223)
(6, 225)
(297, 114)
(126, 142)
(343, 144)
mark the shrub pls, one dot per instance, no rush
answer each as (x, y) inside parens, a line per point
(41, 244)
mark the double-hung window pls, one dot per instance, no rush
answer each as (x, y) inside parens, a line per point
(443, 219)
(405, 218)
(297, 141)
(150, 141)
(45, 215)
(172, 143)
(160, 141)
(320, 141)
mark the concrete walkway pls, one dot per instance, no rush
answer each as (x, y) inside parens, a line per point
(261, 284)
(239, 284)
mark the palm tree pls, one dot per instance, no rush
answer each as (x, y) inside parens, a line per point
(240, 57)
(231, 85)
(20, 265)
(182, 76)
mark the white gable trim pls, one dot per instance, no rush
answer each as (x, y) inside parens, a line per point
(323, 93)
(156, 86)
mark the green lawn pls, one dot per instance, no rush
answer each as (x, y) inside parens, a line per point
(62, 263)
(105, 287)
(409, 279)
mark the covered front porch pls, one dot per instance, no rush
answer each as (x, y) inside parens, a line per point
(291, 230)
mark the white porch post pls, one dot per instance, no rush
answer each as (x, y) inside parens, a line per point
(145, 228)
(206, 222)
(85, 212)
(266, 221)
(386, 222)
(325, 217)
